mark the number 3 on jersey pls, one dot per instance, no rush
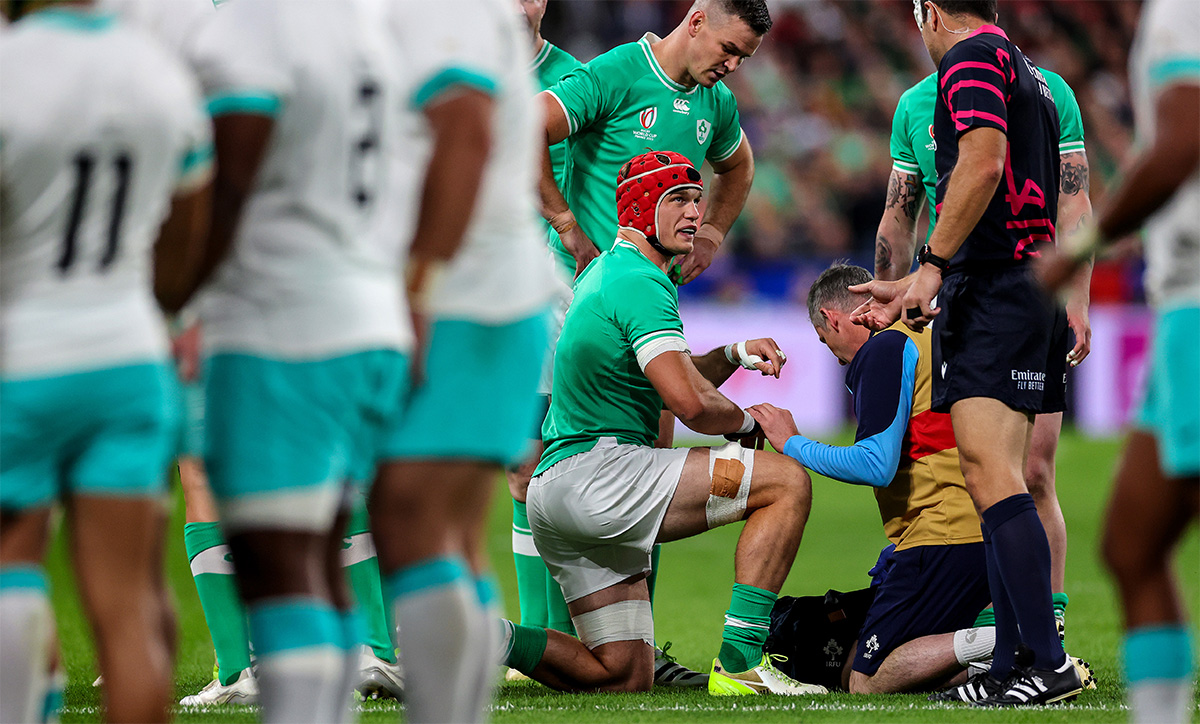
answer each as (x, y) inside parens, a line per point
(85, 170)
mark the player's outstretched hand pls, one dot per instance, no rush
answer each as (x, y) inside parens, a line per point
(1077, 320)
(776, 423)
(704, 248)
(918, 300)
(883, 308)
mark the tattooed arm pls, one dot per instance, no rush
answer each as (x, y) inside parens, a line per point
(1074, 213)
(896, 240)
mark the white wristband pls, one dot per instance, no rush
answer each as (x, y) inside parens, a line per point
(747, 424)
(736, 354)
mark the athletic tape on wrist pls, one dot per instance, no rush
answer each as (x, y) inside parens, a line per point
(747, 424)
(974, 644)
(730, 467)
(621, 621)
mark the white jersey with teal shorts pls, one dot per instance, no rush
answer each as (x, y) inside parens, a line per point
(1167, 53)
(490, 311)
(99, 128)
(305, 325)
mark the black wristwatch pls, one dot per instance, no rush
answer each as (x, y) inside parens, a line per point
(926, 256)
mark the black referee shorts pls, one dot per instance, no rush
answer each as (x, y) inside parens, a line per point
(999, 336)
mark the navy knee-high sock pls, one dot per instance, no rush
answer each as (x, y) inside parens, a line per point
(1007, 636)
(1022, 555)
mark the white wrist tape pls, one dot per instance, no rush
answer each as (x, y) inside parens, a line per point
(974, 644)
(736, 354)
(621, 621)
(747, 424)
(730, 467)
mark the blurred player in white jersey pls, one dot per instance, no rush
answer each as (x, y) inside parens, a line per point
(102, 136)
(480, 273)
(1156, 497)
(306, 331)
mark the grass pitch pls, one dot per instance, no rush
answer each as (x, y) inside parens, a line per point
(841, 542)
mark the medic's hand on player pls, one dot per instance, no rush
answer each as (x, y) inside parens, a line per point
(704, 247)
(884, 307)
(776, 423)
(763, 355)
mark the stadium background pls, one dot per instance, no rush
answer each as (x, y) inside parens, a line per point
(816, 102)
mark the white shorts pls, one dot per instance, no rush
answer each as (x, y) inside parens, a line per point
(563, 294)
(595, 515)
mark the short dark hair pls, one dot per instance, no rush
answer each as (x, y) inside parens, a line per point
(829, 290)
(983, 9)
(753, 13)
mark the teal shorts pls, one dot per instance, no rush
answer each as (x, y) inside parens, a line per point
(106, 433)
(479, 398)
(283, 440)
(1171, 407)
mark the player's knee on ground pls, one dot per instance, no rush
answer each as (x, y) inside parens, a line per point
(627, 623)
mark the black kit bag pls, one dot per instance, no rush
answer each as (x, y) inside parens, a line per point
(814, 634)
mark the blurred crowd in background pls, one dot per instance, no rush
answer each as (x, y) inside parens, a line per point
(816, 102)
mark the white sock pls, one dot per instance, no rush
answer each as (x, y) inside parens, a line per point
(1160, 701)
(437, 610)
(974, 644)
(300, 685)
(25, 625)
(485, 642)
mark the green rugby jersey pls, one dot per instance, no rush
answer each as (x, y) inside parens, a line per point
(625, 313)
(621, 105)
(913, 147)
(550, 65)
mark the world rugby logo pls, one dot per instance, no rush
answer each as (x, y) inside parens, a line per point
(648, 117)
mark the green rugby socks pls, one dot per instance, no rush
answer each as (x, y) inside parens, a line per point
(212, 570)
(747, 623)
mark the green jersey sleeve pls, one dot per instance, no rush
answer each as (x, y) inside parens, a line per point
(584, 95)
(727, 127)
(646, 311)
(903, 156)
(1070, 122)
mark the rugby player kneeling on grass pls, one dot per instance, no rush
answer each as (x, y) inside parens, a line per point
(603, 496)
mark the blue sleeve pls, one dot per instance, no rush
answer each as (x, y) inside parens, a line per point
(882, 382)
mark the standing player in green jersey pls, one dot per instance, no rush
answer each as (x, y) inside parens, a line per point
(660, 93)
(913, 177)
(540, 598)
(603, 496)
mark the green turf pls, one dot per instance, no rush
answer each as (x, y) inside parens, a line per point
(841, 542)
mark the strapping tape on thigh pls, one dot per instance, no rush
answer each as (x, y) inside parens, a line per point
(621, 621)
(730, 467)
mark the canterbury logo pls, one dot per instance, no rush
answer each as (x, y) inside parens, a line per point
(682, 106)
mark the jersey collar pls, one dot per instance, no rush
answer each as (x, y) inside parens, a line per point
(657, 69)
(542, 55)
(993, 29)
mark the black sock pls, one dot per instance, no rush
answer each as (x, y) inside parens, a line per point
(1007, 636)
(1022, 555)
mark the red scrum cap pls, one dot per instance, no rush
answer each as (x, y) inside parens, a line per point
(642, 184)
